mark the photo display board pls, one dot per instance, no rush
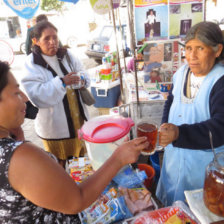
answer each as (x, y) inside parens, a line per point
(165, 19)
(161, 60)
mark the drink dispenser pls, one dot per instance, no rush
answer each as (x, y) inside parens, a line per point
(102, 135)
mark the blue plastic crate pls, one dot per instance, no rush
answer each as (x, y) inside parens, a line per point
(106, 97)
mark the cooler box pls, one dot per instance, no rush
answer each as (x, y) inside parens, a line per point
(106, 94)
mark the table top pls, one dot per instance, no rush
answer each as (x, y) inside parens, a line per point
(147, 91)
(197, 206)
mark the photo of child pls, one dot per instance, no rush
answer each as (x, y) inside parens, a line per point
(155, 76)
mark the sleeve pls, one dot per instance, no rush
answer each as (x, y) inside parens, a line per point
(28, 42)
(42, 88)
(167, 106)
(78, 66)
(196, 136)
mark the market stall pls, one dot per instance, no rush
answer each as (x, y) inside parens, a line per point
(127, 200)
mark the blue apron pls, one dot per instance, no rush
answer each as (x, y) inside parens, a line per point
(184, 169)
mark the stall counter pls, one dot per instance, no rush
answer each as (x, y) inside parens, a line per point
(147, 91)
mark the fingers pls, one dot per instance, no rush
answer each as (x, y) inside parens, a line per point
(126, 139)
(71, 78)
(139, 140)
(70, 74)
(140, 143)
(168, 133)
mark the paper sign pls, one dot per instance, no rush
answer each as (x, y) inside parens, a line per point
(23, 8)
(103, 6)
(141, 3)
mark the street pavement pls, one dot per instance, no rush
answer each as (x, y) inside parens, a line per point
(17, 70)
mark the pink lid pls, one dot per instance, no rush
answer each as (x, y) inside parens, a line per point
(105, 129)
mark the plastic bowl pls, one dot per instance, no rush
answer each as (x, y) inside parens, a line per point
(150, 172)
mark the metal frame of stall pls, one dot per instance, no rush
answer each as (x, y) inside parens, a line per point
(135, 109)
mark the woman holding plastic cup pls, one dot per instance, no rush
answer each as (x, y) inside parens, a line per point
(52, 81)
(194, 107)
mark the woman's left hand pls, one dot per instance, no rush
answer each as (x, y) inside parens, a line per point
(167, 134)
(71, 78)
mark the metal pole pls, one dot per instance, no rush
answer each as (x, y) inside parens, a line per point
(118, 57)
(119, 18)
(130, 13)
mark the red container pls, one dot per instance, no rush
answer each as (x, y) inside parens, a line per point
(150, 172)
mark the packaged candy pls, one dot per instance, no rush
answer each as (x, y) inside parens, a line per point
(80, 169)
(107, 209)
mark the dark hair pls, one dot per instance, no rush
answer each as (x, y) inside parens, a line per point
(209, 33)
(4, 69)
(41, 17)
(40, 27)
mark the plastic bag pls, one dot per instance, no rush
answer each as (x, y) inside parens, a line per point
(130, 178)
(87, 96)
(137, 199)
(31, 111)
(177, 213)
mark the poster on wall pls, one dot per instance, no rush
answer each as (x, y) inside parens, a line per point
(166, 19)
(183, 14)
(151, 20)
(161, 60)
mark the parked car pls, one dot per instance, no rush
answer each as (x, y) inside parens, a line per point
(104, 42)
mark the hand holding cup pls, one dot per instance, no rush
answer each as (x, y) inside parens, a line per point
(168, 133)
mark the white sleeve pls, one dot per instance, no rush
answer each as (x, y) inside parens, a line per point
(42, 88)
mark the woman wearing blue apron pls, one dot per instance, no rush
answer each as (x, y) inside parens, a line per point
(194, 107)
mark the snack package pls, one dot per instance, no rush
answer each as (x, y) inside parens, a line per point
(130, 178)
(80, 169)
(78, 162)
(178, 213)
(80, 174)
(107, 209)
(137, 199)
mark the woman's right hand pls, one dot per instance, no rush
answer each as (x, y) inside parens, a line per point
(71, 78)
(129, 151)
